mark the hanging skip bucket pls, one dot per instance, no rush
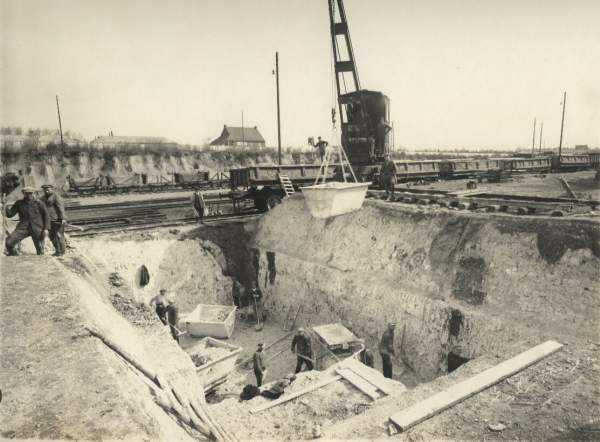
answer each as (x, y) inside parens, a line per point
(334, 198)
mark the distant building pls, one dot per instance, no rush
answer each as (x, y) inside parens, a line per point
(582, 148)
(239, 136)
(102, 142)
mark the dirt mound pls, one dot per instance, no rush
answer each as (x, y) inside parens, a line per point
(58, 381)
(138, 314)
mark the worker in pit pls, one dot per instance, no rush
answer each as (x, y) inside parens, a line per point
(388, 176)
(301, 345)
(320, 146)
(258, 364)
(386, 348)
(166, 312)
(56, 212)
(255, 296)
(33, 221)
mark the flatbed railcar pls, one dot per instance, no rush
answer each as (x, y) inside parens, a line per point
(571, 162)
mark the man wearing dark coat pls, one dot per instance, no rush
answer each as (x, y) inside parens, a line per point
(56, 212)
(33, 221)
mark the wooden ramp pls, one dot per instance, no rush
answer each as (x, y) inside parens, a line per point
(441, 401)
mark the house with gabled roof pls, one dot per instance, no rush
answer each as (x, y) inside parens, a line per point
(239, 136)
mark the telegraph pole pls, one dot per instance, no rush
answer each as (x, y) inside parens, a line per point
(243, 133)
(562, 125)
(533, 140)
(278, 110)
(62, 143)
(541, 132)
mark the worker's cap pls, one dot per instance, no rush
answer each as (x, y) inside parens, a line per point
(28, 190)
(163, 290)
(391, 324)
(47, 186)
(260, 345)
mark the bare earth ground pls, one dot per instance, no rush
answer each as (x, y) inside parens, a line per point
(545, 185)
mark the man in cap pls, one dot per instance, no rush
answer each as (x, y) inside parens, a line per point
(258, 364)
(386, 348)
(302, 347)
(320, 146)
(56, 212)
(33, 221)
(388, 176)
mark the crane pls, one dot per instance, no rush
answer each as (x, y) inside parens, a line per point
(364, 114)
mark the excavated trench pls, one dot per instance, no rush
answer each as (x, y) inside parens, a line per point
(458, 287)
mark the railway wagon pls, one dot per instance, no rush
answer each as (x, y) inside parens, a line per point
(415, 170)
(465, 168)
(191, 179)
(262, 183)
(571, 162)
(533, 164)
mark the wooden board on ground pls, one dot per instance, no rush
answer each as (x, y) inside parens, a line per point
(335, 335)
(296, 394)
(373, 377)
(359, 382)
(441, 401)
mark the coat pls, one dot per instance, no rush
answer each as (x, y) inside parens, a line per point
(55, 206)
(301, 344)
(386, 345)
(32, 215)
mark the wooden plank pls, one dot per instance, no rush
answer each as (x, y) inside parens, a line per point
(296, 394)
(375, 379)
(358, 382)
(439, 402)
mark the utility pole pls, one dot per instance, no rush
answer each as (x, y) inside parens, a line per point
(62, 143)
(278, 110)
(541, 133)
(243, 133)
(533, 141)
(562, 125)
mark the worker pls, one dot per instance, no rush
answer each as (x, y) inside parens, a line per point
(366, 357)
(255, 296)
(199, 205)
(56, 212)
(166, 312)
(388, 176)
(320, 146)
(302, 347)
(33, 221)
(237, 292)
(278, 387)
(258, 364)
(386, 348)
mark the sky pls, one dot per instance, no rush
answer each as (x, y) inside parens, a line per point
(459, 73)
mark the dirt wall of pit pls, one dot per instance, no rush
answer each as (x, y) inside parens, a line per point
(461, 284)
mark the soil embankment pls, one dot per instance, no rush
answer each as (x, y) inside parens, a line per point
(459, 285)
(47, 167)
(58, 381)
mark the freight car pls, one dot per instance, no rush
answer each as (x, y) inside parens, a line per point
(263, 185)
(571, 162)
(417, 170)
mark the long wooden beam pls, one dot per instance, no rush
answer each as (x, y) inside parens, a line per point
(439, 402)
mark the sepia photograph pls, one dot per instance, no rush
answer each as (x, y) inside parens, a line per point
(287, 220)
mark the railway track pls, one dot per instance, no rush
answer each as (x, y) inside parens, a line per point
(492, 202)
(93, 219)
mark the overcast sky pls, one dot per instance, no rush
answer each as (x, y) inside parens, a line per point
(459, 73)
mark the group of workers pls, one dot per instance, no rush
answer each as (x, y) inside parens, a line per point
(38, 219)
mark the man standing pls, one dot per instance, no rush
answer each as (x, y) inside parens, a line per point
(388, 176)
(199, 205)
(255, 296)
(56, 212)
(320, 146)
(302, 347)
(166, 312)
(33, 221)
(258, 364)
(386, 348)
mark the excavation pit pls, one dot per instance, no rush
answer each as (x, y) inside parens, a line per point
(464, 291)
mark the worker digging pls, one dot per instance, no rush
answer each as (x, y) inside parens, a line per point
(251, 238)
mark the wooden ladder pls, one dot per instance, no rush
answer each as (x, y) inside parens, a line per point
(286, 185)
